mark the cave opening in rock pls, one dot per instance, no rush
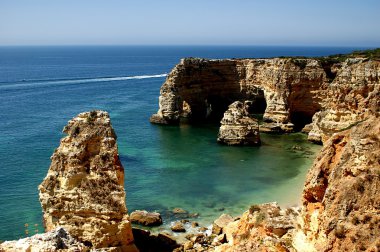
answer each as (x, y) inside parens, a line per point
(215, 107)
(257, 104)
(300, 119)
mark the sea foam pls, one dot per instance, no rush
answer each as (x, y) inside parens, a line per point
(40, 83)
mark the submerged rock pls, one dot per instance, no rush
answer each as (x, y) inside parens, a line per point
(238, 127)
(145, 218)
(84, 188)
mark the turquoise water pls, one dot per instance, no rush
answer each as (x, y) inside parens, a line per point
(41, 88)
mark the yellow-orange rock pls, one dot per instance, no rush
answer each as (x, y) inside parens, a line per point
(341, 200)
(84, 188)
(289, 92)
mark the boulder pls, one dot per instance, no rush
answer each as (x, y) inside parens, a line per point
(178, 227)
(145, 218)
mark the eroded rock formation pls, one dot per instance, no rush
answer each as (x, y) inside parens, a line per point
(288, 91)
(341, 199)
(238, 127)
(352, 96)
(84, 188)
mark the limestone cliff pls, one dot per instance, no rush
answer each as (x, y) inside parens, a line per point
(353, 95)
(84, 188)
(341, 198)
(288, 91)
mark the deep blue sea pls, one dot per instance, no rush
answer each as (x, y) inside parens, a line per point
(41, 88)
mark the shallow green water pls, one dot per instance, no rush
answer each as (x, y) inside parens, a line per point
(44, 87)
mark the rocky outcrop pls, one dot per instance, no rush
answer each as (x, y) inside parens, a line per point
(264, 227)
(238, 127)
(56, 240)
(288, 92)
(197, 89)
(352, 96)
(146, 218)
(84, 188)
(341, 196)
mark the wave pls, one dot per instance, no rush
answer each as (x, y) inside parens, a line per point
(78, 81)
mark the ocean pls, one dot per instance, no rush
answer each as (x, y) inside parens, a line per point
(41, 88)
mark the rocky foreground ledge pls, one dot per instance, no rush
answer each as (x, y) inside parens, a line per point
(327, 94)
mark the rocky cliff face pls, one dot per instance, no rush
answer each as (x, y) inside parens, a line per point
(341, 198)
(352, 96)
(289, 92)
(84, 188)
(341, 203)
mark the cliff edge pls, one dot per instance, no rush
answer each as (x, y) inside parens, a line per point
(322, 96)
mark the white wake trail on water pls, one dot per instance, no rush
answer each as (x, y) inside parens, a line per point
(78, 81)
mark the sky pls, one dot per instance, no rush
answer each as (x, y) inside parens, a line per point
(190, 22)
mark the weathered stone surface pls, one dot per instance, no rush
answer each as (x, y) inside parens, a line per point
(341, 196)
(84, 188)
(178, 227)
(198, 89)
(262, 228)
(145, 218)
(352, 96)
(56, 240)
(290, 92)
(238, 127)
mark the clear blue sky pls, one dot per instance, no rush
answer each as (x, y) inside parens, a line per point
(190, 22)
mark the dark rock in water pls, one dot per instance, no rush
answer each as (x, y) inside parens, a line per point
(145, 218)
(178, 227)
(147, 242)
(297, 147)
(194, 215)
(178, 210)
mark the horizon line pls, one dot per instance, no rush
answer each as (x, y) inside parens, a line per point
(185, 45)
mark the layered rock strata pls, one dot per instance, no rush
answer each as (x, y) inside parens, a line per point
(287, 91)
(341, 200)
(84, 188)
(238, 127)
(352, 96)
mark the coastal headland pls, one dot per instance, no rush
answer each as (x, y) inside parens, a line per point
(335, 100)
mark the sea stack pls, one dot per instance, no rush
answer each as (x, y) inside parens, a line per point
(238, 127)
(84, 188)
